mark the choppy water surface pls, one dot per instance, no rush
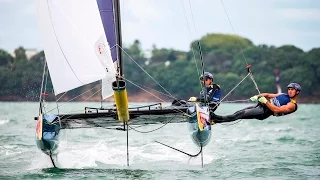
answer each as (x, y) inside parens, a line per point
(278, 148)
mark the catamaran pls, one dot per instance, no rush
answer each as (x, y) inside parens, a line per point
(82, 44)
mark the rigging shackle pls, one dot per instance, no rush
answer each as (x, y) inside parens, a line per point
(248, 66)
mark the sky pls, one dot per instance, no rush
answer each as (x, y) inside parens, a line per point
(176, 23)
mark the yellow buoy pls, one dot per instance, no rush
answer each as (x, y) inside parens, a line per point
(121, 98)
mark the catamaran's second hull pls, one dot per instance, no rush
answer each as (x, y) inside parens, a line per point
(199, 125)
(47, 134)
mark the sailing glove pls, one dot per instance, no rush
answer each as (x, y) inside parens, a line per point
(262, 100)
(254, 98)
(192, 99)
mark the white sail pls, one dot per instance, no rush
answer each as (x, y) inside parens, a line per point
(109, 66)
(72, 33)
(106, 89)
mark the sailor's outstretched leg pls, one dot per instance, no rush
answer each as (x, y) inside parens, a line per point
(253, 112)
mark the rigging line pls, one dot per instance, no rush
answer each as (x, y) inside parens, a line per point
(255, 84)
(45, 89)
(55, 34)
(232, 123)
(244, 100)
(46, 81)
(57, 102)
(143, 89)
(231, 90)
(101, 126)
(75, 97)
(178, 110)
(152, 94)
(62, 95)
(40, 97)
(154, 90)
(194, 26)
(199, 45)
(80, 95)
(97, 125)
(94, 125)
(153, 129)
(186, 18)
(145, 71)
(244, 57)
(202, 66)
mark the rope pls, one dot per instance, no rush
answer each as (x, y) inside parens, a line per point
(169, 94)
(42, 81)
(185, 15)
(152, 89)
(202, 66)
(232, 123)
(255, 84)
(244, 57)
(79, 96)
(145, 71)
(231, 90)
(45, 90)
(151, 94)
(245, 100)
(135, 129)
(146, 90)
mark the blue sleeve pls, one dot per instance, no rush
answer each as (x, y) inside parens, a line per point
(217, 95)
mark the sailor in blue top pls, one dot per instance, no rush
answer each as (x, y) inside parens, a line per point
(210, 94)
(277, 105)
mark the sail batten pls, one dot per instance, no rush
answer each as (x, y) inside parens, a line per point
(77, 51)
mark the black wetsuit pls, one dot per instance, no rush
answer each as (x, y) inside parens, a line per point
(259, 111)
(211, 95)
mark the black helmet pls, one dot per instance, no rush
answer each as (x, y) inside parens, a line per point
(206, 75)
(295, 86)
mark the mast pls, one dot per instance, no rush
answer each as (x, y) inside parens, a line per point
(117, 18)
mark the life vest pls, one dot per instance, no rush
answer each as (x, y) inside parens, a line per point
(283, 99)
(210, 93)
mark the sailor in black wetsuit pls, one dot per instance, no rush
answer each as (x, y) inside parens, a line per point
(277, 105)
(210, 94)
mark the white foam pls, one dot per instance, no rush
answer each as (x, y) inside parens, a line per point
(4, 121)
(94, 155)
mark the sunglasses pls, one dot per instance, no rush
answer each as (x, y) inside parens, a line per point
(201, 79)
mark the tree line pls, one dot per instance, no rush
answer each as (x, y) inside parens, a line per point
(225, 56)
